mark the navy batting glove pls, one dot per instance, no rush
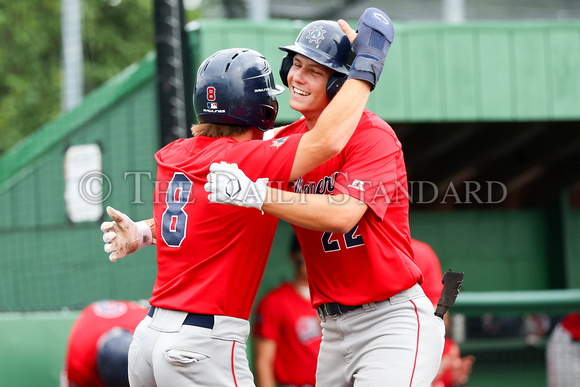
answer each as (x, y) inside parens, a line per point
(375, 35)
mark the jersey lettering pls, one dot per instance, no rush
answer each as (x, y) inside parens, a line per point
(174, 220)
(324, 186)
(351, 239)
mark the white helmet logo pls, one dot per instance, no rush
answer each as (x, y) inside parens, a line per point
(316, 34)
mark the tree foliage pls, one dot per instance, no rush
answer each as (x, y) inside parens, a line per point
(116, 33)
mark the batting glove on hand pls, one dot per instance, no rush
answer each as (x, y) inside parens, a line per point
(375, 35)
(227, 184)
(123, 236)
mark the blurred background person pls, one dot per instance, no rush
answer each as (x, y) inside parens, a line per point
(98, 344)
(430, 266)
(454, 369)
(287, 331)
(563, 353)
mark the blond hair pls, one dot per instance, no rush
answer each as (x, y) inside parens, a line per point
(218, 130)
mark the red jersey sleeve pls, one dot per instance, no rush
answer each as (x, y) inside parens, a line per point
(571, 323)
(374, 170)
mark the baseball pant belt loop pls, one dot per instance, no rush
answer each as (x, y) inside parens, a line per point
(193, 319)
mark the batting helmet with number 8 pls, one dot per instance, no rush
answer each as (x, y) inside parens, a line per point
(236, 86)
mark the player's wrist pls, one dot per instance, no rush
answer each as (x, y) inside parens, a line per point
(375, 34)
(369, 72)
(145, 234)
(256, 194)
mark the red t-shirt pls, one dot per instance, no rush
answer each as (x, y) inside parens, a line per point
(95, 320)
(211, 257)
(571, 323)
(287, 317)
(429, 264)
(373, 261)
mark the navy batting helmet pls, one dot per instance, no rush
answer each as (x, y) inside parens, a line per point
(236, 86)
(112, 357)
(324, 42)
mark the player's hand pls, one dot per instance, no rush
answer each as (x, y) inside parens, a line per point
(346, 28)
(374, 37)
(122, 236)
(227, 184)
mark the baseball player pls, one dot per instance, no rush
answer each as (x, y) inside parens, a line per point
(98, 344)
(211, 258)
(287, 339)
(454, 369)
(351, 218)
(563, 352)
(428, 262)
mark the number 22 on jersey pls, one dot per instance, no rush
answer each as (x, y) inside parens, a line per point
(351, 239)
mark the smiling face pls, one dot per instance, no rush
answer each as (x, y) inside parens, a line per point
(307, 83)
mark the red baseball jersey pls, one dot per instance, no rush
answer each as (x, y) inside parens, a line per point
(571, 323)
(95, 320)
(211, 257)
(374, 260)
(287, 317)
(429, 264)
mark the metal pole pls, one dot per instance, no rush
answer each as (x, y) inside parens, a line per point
(173, 70)
(72, 54)
(453, 11)
(259, 10)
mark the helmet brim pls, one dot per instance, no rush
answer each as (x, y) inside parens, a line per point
(317, 56)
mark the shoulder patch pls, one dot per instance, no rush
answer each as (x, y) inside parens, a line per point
(357, 184)
(279, 141)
